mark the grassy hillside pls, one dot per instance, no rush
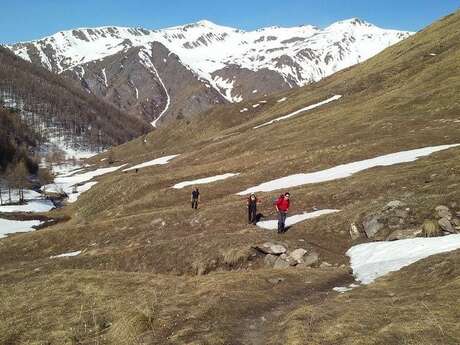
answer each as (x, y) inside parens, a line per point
(154, 271)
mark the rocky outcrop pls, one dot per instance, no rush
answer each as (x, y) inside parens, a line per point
(395, 221)
(394, 216)
(278, 256)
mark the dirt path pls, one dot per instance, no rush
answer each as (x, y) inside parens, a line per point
(262, 327)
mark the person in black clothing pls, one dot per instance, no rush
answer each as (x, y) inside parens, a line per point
(252, 209)
(195, 198)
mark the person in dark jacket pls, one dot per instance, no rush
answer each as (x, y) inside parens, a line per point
(282, 207)
(195, 198)
(252, 208)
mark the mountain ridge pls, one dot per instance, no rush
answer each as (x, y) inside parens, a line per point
(234, 64)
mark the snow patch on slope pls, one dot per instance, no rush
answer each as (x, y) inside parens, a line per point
(345, 170)
(273, 224)
(372, 260)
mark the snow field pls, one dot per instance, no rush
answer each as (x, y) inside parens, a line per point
(370, 261)
(8, 227)
(345, 170)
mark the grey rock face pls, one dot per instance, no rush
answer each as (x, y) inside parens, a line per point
(372, 226)
(446, 225)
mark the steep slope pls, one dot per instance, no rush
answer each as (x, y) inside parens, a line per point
(57, 109)
(226, 64)
(181, 276)
(16, 140)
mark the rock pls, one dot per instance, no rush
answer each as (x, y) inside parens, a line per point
(311, 259)
(354, 232)
(446, 225)
(269, 260)
(402, 213)
(443, 212)
(276, 280)
(394, 204)
(291, 261)
(281, 263)
(457, 214)
(372, 226)
(430, 228)
(298, 255)
(325, 264)
(453, 205)
(455, 222)
(271, 248)
(156, 221)
(404, 234)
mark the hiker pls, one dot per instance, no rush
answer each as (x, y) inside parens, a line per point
(282, 207)
(252, 208)
(195, 198)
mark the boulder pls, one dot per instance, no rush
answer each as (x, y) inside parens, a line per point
(402, 213)
(269, 260)
(404, 234)
(325, 264)
(443, 212)
(446, 225)
(372, 226)
(430, 228)
(291, 261)
(455, 222)
(394, 204)
(271, 248)
(354, 232)
(298, 255)
(281, 263)
(276, 280)
(311, 259)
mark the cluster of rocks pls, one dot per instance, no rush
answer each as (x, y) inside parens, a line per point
(278, 256)
(446, 221)
(396, 221)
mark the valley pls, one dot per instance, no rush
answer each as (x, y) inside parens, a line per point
(369, 155)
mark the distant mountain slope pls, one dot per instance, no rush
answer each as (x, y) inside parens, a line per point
(198, 65)
(55, 107)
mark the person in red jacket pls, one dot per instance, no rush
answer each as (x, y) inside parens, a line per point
(282, 207)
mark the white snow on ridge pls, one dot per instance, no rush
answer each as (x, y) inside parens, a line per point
(157, 161)
(273, 224)
(345, 170)
(310, 107)
(372, 260)
(14, 226)
(206, 48)
(204, 180)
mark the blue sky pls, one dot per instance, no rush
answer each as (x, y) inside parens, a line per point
(22, 20)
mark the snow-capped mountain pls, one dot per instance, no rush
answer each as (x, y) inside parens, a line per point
(185, 69)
